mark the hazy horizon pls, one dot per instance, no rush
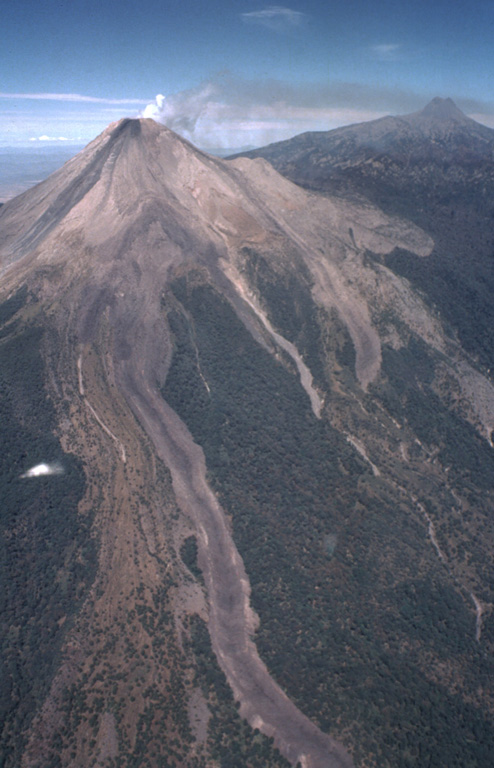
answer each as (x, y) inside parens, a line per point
(230, 74)
(24, 165)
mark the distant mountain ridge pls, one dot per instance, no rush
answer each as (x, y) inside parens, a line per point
(323, 160)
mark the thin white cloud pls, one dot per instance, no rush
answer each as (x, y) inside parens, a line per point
(49, 138)
(386, 51)
(275, 17)
(74, 97)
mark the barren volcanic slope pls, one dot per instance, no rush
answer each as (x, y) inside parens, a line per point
(259, 531)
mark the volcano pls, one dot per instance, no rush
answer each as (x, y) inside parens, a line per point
(270, 533)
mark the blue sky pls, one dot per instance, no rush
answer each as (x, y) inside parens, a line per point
(236, 72)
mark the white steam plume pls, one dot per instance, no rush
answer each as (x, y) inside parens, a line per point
(182, 110)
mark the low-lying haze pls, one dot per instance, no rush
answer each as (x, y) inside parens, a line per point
(222, 115)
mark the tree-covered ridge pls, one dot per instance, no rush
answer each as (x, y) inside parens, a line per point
(13, 304)
(410, 394)
(356, 615)
(46, 555)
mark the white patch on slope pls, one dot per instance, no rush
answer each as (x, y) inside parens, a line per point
(42, 470)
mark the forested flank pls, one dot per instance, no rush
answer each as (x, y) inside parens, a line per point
(9, 308)
(461, 290)
(351, 615)
(47, 556)
(188, 553)
(410, 372)
(292, 310)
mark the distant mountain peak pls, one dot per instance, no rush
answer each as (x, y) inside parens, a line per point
(442, 109)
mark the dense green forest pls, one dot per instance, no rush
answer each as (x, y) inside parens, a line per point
(410, 395)
(292, 309)
(351, 613)
(461, 288)
(46, 555)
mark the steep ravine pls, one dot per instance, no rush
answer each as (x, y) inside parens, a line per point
(231, 620)
(304, 373)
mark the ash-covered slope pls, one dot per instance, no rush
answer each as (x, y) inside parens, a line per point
(140, 201)
(274, 430)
